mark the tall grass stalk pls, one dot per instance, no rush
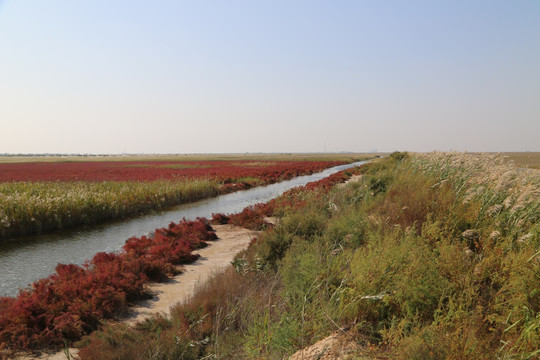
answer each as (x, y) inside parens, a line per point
(35, 207)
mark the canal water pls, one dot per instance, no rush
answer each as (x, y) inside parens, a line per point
(25, 260)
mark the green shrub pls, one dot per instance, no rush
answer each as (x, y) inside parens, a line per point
(348, 230)
(271, 246)
(306, 224)
(398, 156)
(271, 338)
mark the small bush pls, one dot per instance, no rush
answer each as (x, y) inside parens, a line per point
(398, 156)
(249, 218)
(220, 219)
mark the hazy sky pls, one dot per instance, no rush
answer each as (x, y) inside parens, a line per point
(268, 76)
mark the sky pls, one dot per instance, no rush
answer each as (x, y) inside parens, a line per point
(131, 76)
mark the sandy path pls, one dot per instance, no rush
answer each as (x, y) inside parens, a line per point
(213, 258)
(354, 178)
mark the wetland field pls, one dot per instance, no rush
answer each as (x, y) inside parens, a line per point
(413, 255)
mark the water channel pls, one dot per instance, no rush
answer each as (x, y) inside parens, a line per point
(25, 260)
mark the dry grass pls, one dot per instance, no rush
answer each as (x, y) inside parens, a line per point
(529, 160)
(489, 179)
(33, 208)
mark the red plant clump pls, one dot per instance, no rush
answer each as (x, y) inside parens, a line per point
(293, 198)
(219, 219)
(252, 217)
(73, 301)
(225, 171)
(328, 182)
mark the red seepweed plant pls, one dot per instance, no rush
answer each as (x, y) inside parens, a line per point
(73, 301)
(227, 172)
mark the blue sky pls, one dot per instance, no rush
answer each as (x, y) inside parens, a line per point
(268, 76)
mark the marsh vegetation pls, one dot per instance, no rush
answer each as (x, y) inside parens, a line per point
(427, 256)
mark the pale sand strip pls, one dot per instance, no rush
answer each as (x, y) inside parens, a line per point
(213, 258)
(354, 178)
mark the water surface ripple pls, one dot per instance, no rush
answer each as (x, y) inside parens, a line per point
(25, 260)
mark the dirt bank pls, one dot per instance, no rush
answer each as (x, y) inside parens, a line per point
(214, 258)
(340, 345)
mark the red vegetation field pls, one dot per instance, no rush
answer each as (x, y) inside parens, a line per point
(72, 302)
(227, 171)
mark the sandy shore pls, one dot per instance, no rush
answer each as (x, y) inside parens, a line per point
(214, 258)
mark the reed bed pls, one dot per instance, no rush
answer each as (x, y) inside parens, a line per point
(35, 207)
(507, 196)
